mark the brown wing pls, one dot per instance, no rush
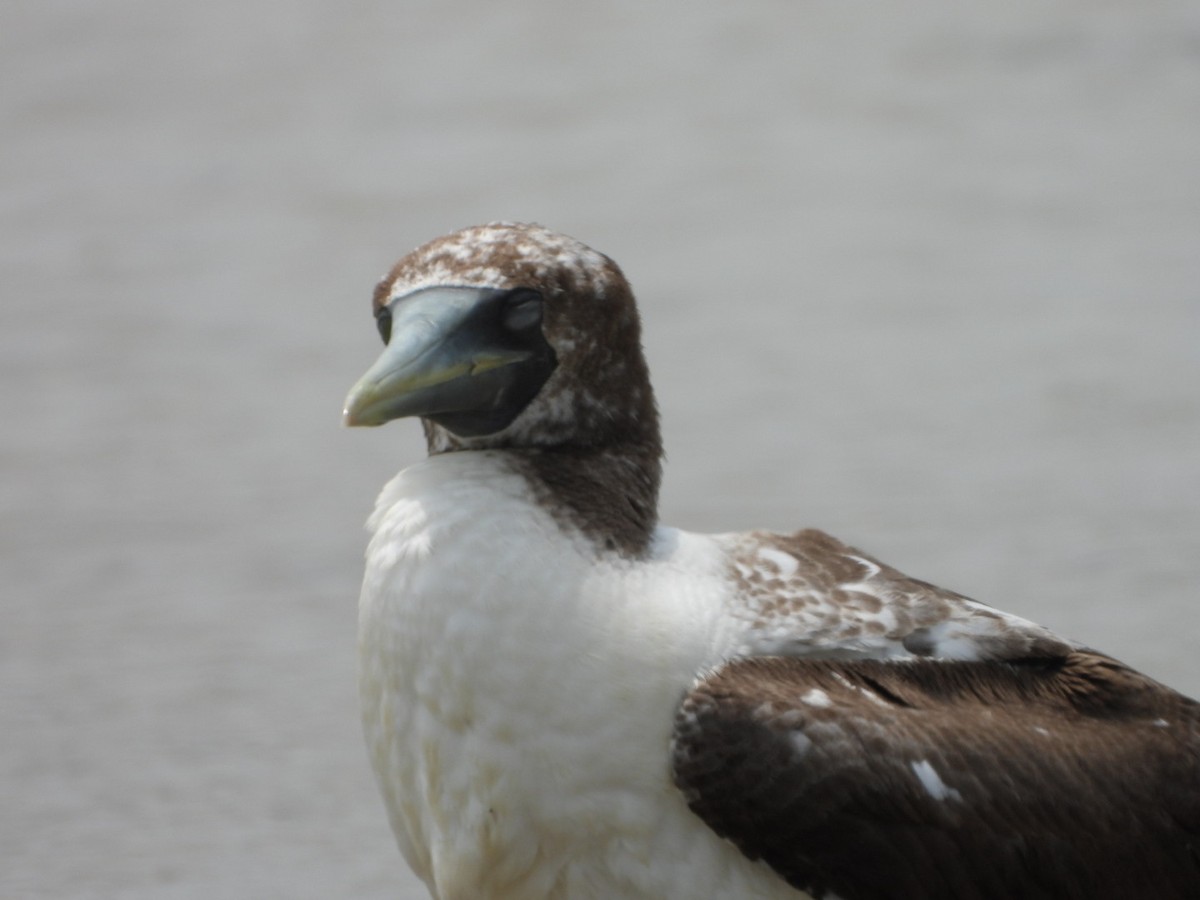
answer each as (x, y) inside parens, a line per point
(869, 780)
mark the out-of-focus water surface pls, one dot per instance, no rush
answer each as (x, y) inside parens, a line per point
(926, 277)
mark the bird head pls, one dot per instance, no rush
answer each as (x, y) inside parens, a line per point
(507, 335)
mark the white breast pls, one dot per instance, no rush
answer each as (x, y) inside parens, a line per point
(518, 696)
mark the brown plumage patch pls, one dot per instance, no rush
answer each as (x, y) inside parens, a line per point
(1050, 778)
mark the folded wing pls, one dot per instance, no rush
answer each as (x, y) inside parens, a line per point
(1050, 777)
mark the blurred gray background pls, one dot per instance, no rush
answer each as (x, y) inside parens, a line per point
(926, 276)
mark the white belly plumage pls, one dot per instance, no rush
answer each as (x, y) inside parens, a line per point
(518, 697)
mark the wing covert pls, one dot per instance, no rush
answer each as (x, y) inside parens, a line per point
(810, 595)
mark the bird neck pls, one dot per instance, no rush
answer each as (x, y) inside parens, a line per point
(607, 493)
(600, 479)
(610, 494)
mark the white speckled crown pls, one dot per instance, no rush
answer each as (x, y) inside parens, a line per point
(501, 255)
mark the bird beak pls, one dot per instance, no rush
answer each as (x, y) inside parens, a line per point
(441, 358)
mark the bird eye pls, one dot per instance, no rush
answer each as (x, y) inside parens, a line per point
(523, 310)
(383, 321)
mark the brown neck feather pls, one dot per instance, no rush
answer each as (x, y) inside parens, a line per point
(609, 494)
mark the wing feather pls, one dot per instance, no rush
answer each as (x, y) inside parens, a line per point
(1042, 778)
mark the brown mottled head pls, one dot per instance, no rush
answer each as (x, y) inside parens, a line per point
(511, 336)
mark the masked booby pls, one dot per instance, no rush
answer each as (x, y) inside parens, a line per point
(563, 698)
